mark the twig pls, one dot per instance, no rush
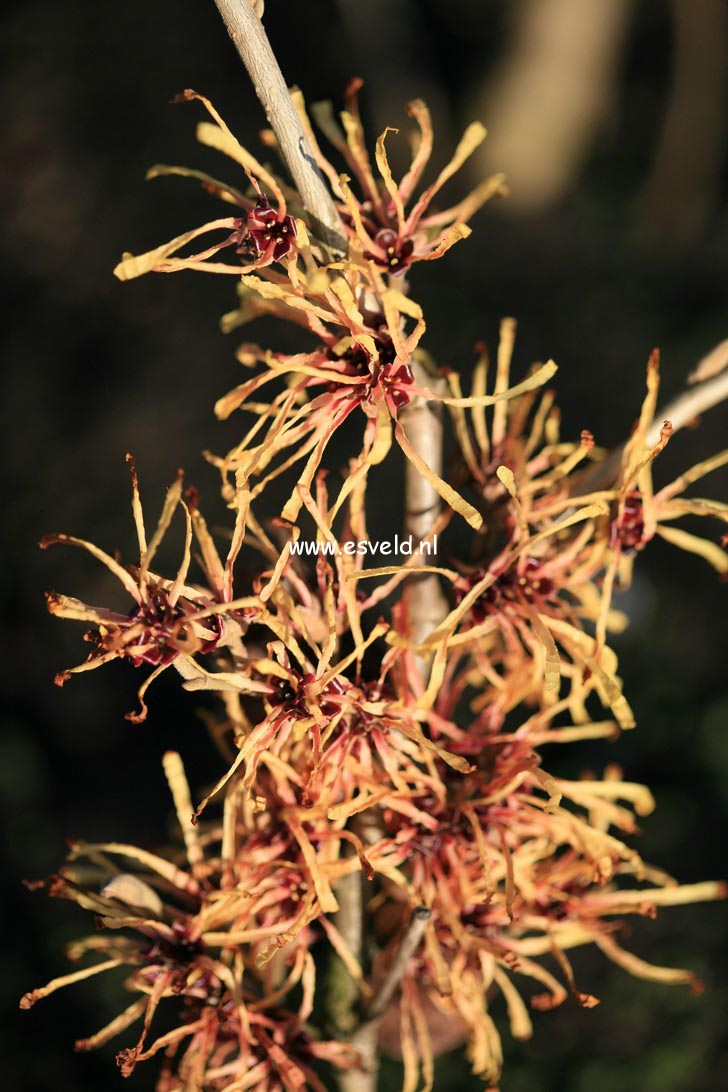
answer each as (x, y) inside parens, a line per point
(406, 950)
(251, 42)
(680, 412)
(426, 607)
(366, 1036)
(689, 405)
(342, 992)
(424, 600)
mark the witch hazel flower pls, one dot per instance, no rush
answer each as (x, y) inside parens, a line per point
(170, 621)
(513, 865)
(181, 925)
(639, 512)
(261, 233)
(341, 738)
(368, 359)
(563, 524)
(385, 222)
(381, 795)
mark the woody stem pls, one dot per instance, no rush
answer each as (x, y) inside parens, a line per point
(251, 42)
(423, 597)
(365, 1038)
(680, 412)
(425, 602)
(426, 607)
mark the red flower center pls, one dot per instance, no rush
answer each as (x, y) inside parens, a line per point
(629, 528)
(266, 229)
(381, 372)
(524, 584)
(393, 253)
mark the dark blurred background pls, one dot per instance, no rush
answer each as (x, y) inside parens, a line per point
(609, 118)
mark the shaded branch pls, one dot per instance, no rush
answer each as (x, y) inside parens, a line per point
(415, 931)
(564, 55)
(365, 1039)
(342, 992)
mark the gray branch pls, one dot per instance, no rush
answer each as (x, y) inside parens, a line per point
(251, 42)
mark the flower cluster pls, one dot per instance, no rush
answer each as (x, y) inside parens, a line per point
(379, 223)
(240, 900)
(349, 749)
